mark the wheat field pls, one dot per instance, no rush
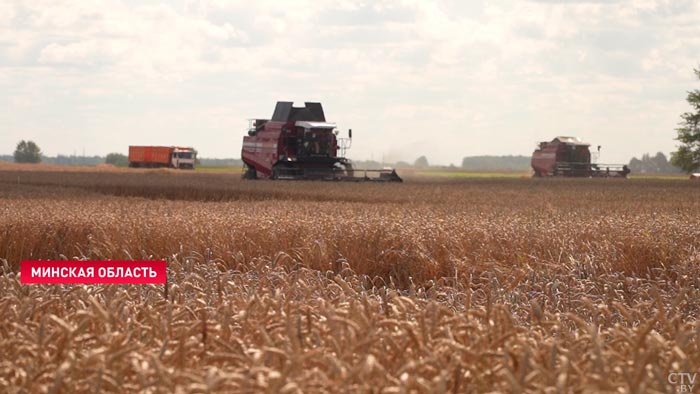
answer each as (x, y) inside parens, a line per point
(434, 285)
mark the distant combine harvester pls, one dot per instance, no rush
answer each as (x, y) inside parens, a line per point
(570, 157)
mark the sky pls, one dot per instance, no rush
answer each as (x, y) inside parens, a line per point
(444, 79)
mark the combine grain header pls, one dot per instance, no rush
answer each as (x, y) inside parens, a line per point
(570, 157)
(298, 143)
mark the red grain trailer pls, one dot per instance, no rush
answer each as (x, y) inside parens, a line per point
(161, 156)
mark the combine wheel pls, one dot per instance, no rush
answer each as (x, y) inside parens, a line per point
(279, 170)
(349, 171)
(250, 173)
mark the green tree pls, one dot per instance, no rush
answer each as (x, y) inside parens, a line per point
(421, 162)
(27, 152)
(117, 159)
(636, 165)
(687, 156)
(652, 164)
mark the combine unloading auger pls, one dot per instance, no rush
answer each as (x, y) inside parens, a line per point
(298, 144)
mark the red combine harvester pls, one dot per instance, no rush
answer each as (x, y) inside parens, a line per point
(298, 143)
(570, 157)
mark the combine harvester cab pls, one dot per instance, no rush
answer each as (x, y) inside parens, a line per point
(298, 144)
(570, 157)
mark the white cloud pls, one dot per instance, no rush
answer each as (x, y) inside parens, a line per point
(412, 77)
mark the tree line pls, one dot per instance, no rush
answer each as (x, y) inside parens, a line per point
(686, 158)
(653, 164)
(29, 152)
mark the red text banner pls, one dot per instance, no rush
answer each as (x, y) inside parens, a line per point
(93, 272)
